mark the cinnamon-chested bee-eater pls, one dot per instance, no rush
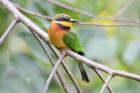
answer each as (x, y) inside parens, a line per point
(63, 37)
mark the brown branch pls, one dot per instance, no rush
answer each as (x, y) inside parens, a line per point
(7, 32)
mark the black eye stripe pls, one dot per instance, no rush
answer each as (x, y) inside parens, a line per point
(63, 19)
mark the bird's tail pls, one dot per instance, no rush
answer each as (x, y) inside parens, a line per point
(83, 72)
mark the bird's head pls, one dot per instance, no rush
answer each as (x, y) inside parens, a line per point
(64, 20)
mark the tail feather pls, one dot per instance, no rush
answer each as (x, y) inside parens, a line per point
(83, 73)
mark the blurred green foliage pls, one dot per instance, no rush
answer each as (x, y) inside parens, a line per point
(24, 66)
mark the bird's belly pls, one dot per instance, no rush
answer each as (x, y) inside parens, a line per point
(58, 43)
(56, 39)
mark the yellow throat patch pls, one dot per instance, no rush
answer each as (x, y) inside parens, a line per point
(64, 23)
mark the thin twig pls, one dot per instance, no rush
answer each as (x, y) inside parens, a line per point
(123, 8)
(72, 8)
(51, 61)
(106, 83)
(128, 23)
(60, 4)
(26, 21)
(8, 30)
(108, 25)
(32, 13)
(102, 79)
(66, 69)
(45, 90)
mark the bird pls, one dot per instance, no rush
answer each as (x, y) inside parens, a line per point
(62, 35)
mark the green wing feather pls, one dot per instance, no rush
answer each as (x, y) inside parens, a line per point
(72, 40)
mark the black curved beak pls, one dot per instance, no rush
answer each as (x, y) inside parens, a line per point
(73, 20)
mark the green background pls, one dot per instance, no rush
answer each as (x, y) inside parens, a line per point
(24, 66)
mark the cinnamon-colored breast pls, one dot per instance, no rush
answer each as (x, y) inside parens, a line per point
(56, 35)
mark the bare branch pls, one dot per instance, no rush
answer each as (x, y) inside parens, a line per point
(109, 25)
(106, 83)
(20, 17)
(126, 74)
(102, 67)
(123, 8)
(60, 4)
(66, 69)
(45, 90)
(32, 13)
(103, 80)
(7, 32)
(51, 61)
(128, 23)
(72, 8)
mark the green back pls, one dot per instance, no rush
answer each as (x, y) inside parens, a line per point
(72, 40)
